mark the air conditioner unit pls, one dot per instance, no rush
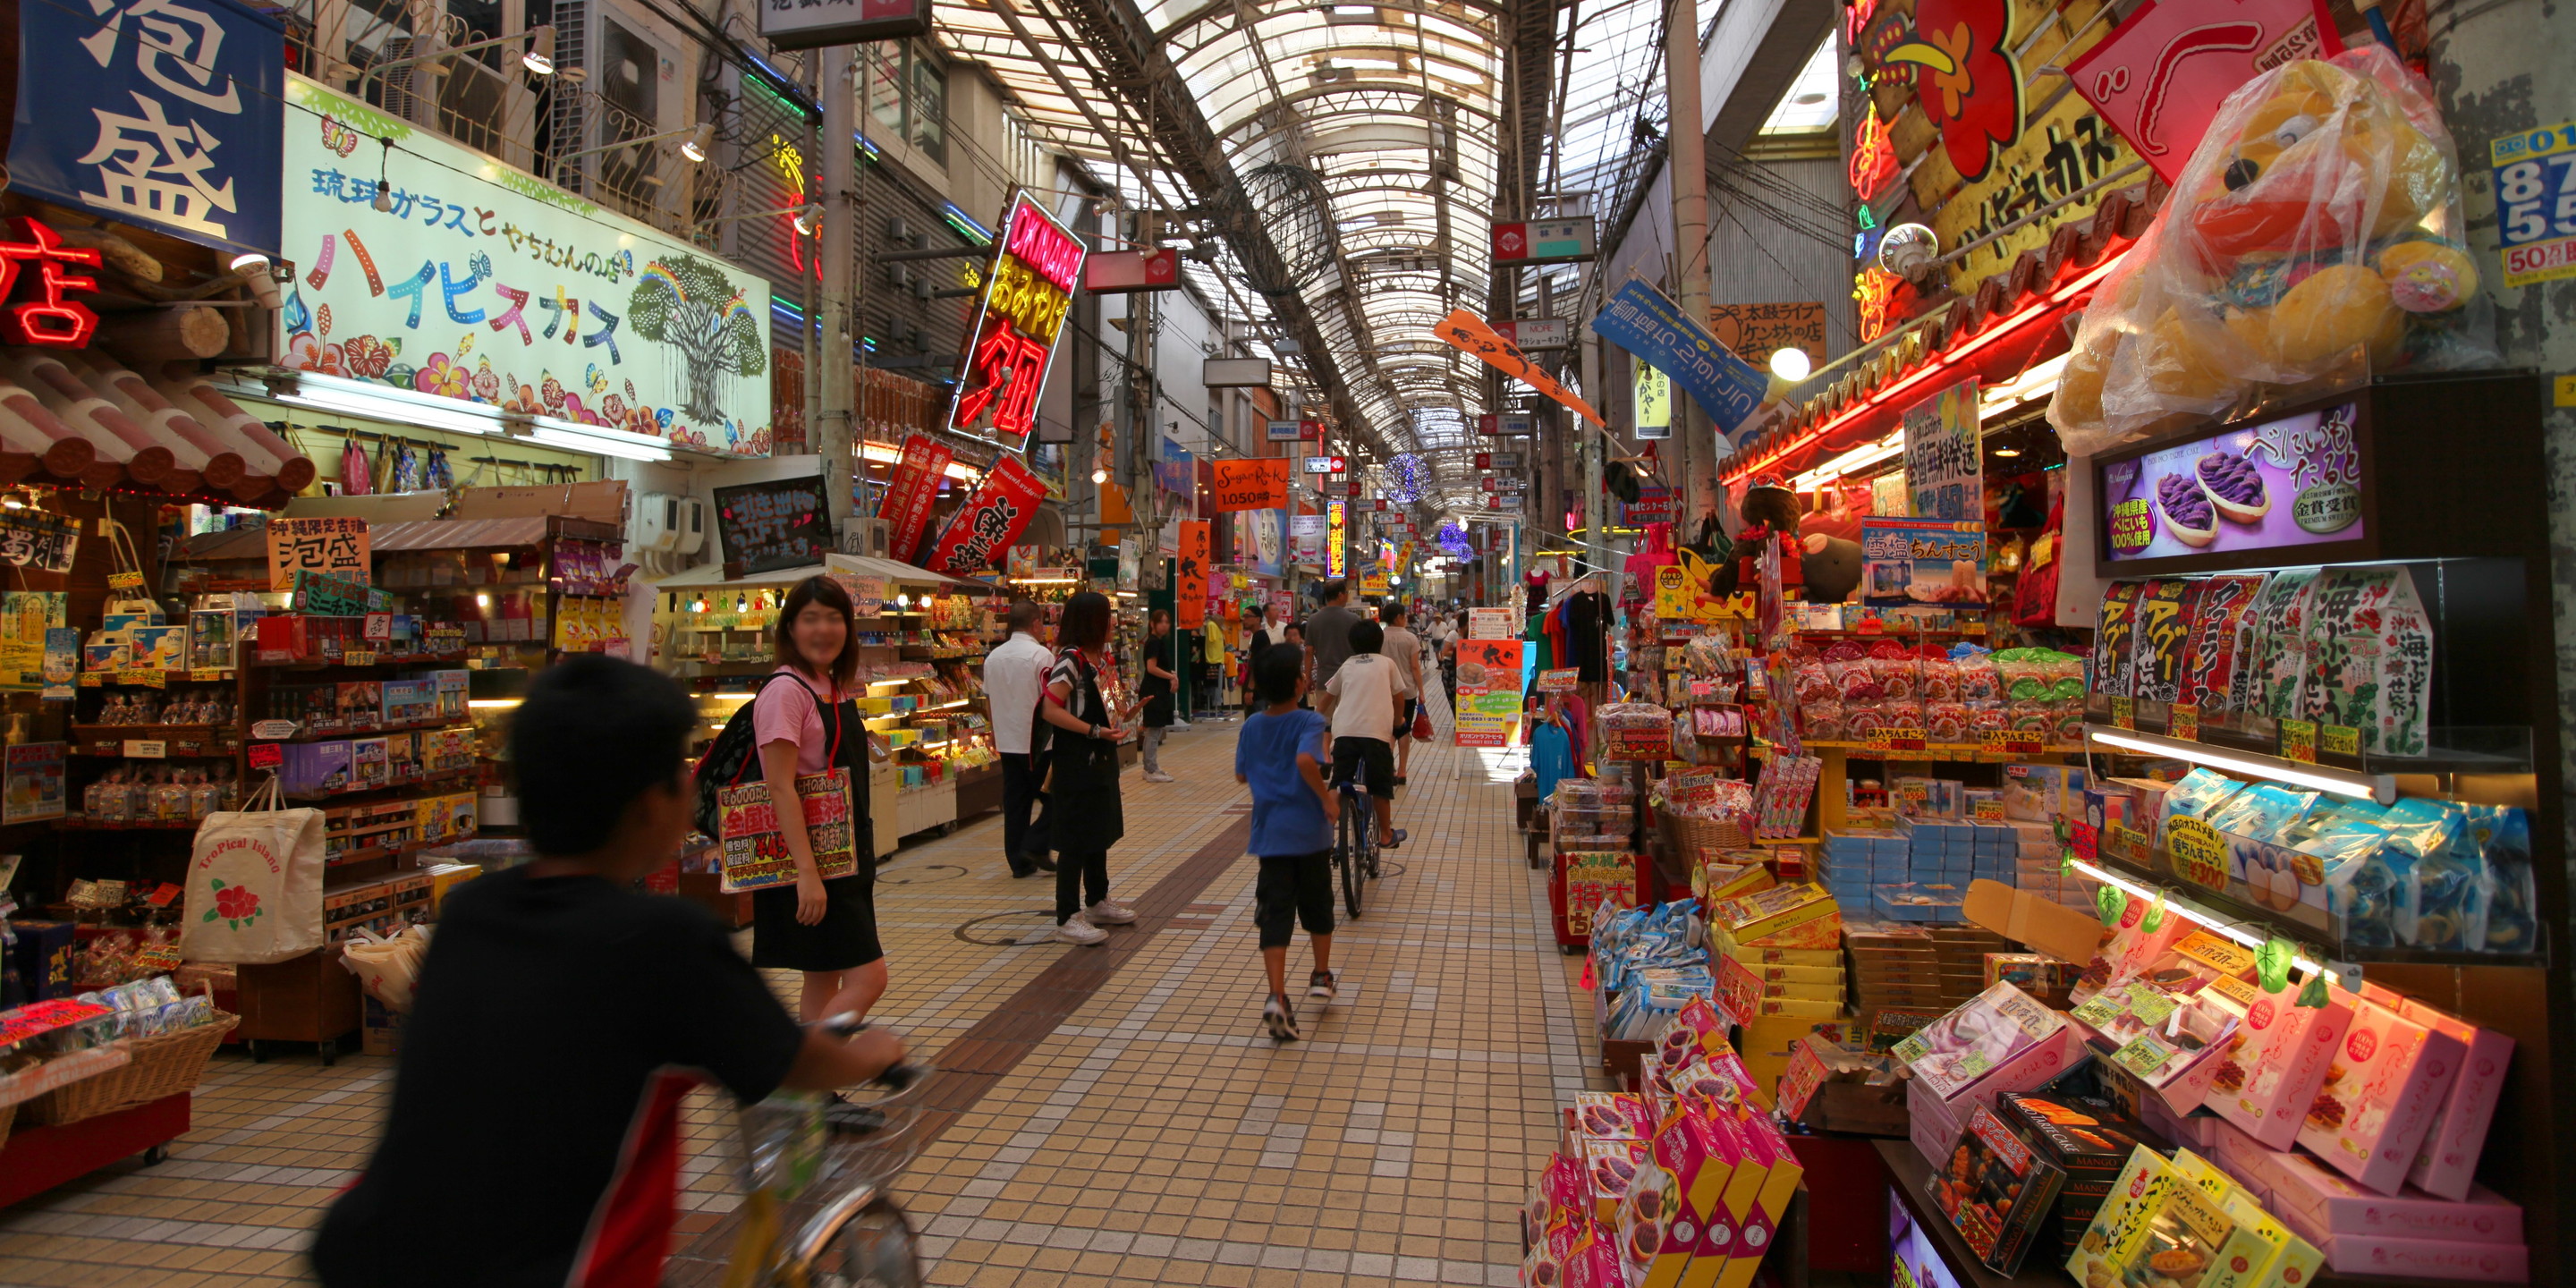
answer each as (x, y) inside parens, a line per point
(692, 526)
(657, 523)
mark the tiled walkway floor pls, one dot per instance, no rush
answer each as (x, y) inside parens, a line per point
(1126, 1125)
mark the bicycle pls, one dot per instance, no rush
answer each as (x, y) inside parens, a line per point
(814, 1172)
(1355, 847)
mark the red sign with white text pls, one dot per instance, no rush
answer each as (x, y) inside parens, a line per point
(914, 485)
(1036, 268)
(987, 523)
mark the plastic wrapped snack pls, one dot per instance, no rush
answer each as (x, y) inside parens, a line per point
(1822, 721)
(2315, 232)
(1978, 681)
(1945, 721)
(1940, 680)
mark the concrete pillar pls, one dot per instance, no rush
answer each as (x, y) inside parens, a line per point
(1694, 442)
(830, 430)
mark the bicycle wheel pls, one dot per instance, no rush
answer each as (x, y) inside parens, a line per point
(874, 1249)
(1354, 834)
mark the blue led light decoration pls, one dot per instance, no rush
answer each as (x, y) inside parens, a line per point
(1453, 538)
(1406, 474)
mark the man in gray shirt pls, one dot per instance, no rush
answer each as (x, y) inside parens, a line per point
(1328, 640)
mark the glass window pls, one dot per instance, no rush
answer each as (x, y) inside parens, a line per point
(885, 90)
(927, 109)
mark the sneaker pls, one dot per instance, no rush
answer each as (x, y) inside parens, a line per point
(1178, 723)
(1105, 913)
(1320, 984)
(1079, 931)
(1279, 1020)
(1393, 839)
(1158, 776)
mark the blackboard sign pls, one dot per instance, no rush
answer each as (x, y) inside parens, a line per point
(766, 527)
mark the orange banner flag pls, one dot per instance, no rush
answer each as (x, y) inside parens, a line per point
(1469, 332)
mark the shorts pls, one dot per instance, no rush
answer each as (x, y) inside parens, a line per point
(1372, 759)
(1293, 888)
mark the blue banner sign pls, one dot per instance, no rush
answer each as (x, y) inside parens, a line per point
(165, 113)
(1640, 320)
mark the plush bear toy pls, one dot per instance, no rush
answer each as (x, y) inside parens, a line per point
(2318, 219)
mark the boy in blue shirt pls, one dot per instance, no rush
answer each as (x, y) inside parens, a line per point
(1280, 756)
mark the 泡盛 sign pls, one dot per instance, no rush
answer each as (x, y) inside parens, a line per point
(1640, 320)
(487, 286)
(1036, 267)
(157, 112)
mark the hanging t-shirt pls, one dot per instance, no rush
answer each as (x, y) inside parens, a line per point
(1587, 619)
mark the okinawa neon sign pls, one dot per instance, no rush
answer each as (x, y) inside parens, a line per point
(1036, 267)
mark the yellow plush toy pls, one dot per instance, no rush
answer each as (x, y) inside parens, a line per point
(2318, 218)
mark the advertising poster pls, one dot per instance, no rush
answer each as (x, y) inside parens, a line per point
(2534, 178)
(1921, 562)
(1306, 534)
(1269, 540)
(1037, 266)
(755, 852)
(1190, 588)
(487, 286)
(766, 527)
(336, 547)
(910, 489)
(1256, 484)
(2289, 482)
(35, 783)
(997, 513)
(1489, 692)
(1941, 455)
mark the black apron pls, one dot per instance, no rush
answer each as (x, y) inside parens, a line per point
(846, 937)
(1082, 786)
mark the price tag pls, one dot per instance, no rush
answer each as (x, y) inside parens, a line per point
(1557, 681)
(150, 677)
(208, 674)
(1987, 810)
(156, 959)
(2184, 722)
(2124, 713)
(379, 626)
(273, 729)
(146, 749)
(358, 657)
(2197, 852)
(1903, 739)
(2014, 742)
(2144, 1055)
(265, 755)
(2299, 741)
(163, 894)
(125, 581)
(2342, 740)
(93, 679)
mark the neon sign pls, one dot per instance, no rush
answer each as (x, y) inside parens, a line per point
(49, 319)
(1036, 266)
(790, 164)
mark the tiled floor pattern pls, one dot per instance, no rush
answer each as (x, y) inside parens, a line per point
(1127, 1121)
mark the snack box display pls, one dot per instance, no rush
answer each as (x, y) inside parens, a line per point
(2082, 1136)
(361, 704)
(1766, 913)
(451, 687)
(2446, 1163)
(105, 656)
(1994, 1189)
(2171, 1042)
(314, 768)
(2277, 1059)
(159, 648)
(2000, 1031)
(2379, 1096)
(2119, 1229)
(370, 764)
(2189, 1238)
(1756, 1202)
(2428, 1260)
(1610, 1115)
(1608, 1167)
(409, 701)
(2321, 1204)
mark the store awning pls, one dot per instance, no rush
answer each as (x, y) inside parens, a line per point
(460, 534)
(75, 417)
(710, 575)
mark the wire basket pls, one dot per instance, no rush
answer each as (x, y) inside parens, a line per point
(164, 1065)
(791, 1163)
(1685, 836)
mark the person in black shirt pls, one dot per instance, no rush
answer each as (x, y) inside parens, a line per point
(534, 1140)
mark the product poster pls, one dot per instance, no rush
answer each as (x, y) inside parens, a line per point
(910, 489)
(1256, 484)
(62, 663)
(1190, 587)
(1922, 561)
(1942, 480)
(755, 852)
(28, 619)
(1489, 692)
(487, 286)
(2289, 482)
(1306, 533)
(997, 513)
(35, 783)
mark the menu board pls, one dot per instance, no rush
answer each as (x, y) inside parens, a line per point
(1489, 691)
(2296, 481)
(766, 527)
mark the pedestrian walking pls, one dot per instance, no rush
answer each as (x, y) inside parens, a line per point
(1014, 677)
(1328, 641)
(1404, 648)
(1281, 757)
(1156, 691)
(1082, 772)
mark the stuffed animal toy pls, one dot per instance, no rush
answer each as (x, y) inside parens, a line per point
(2318, 220)
(1831, 567)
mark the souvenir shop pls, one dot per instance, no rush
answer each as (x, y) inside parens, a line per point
(2124, 867)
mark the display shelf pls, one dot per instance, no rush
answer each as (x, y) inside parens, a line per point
(147, 678)
(377, 659)
(179, 741)
(83, 823)
(2259, 753)
(378, 731)
(2215, 908)
(450, 777)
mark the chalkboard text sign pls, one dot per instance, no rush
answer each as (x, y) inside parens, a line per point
(767, 527)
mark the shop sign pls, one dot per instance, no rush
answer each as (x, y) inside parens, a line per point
(1547, 241)
(39, 309)
(1942, 455)
(1506, 423)
(334, 546)
(989, 521)
(1922, 562)
(1761, 329)
(905, 506)
(1336, 526)
(867, 594)
(1491, 624)
(1326, 465)
(1260, 483)
(2534, 180)
(487, 286)
(2295, 481)
(1190, 588)
(1641, 320)
(1293, 431)
(1654, 402)
(32, 540)
(2059, 153)
(1037, 265)
(169, 115)
(1489, 691)
(767, 527)
(1653, 505)
(1125, 272)
(1536, 333)
(813, 24)
(2160, 76)
(1560, 680)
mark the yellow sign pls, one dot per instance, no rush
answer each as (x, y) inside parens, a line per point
(2197, 852)
(1654, 401)
(2299, 741)
(2184, 722)
(2342, 740)
(1334, 526)
(2058, 153)
(2124, 713)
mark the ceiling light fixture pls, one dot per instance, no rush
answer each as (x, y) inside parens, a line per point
(2381, 788)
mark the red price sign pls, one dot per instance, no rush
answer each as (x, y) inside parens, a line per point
(163, 894)
(265, 755)
(2015, 742)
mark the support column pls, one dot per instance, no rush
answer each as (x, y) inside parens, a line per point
(1694, 439)
(830, 431)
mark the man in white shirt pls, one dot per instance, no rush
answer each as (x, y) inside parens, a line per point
(1368, 692)
(1014, 675)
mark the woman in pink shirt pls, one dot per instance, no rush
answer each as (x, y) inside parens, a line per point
(823, 927)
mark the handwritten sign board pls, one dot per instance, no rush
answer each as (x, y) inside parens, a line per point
(1756, 330)
(336, 547)
(766, 527)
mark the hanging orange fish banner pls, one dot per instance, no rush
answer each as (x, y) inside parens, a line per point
(1189, 589)
(1471, 333)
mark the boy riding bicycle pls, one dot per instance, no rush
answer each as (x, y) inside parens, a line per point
(1368, 698)
(1279, 756)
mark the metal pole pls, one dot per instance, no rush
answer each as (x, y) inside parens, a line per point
(1688, 165)
(811, 279)
(835, 425)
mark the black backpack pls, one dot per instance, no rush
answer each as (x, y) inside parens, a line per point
(733, 754)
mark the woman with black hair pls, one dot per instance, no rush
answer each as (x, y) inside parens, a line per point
(1082, 773)
(826, 929)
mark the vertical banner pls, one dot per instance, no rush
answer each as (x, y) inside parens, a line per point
(1336, 527)
(1189, 591)
(1257, 484)
(988, 521)
(1037, 266)
(909, 491)
(1941, 455)
(1654, 402)
(1489, 691)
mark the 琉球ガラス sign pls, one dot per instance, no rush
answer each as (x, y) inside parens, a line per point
(486, 285)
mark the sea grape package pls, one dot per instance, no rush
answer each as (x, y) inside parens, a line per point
(2369, 658)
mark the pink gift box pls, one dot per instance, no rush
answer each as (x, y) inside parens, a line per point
(2446, 1164)
(2282, 1051)
(2380, 1095)
(2332, 1205)
(2484, 1263)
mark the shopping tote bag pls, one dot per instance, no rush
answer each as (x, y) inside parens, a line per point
(254, 883)
(754, 854)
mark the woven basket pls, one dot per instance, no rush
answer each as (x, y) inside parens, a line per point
(1711, 833)
(163, 1066)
